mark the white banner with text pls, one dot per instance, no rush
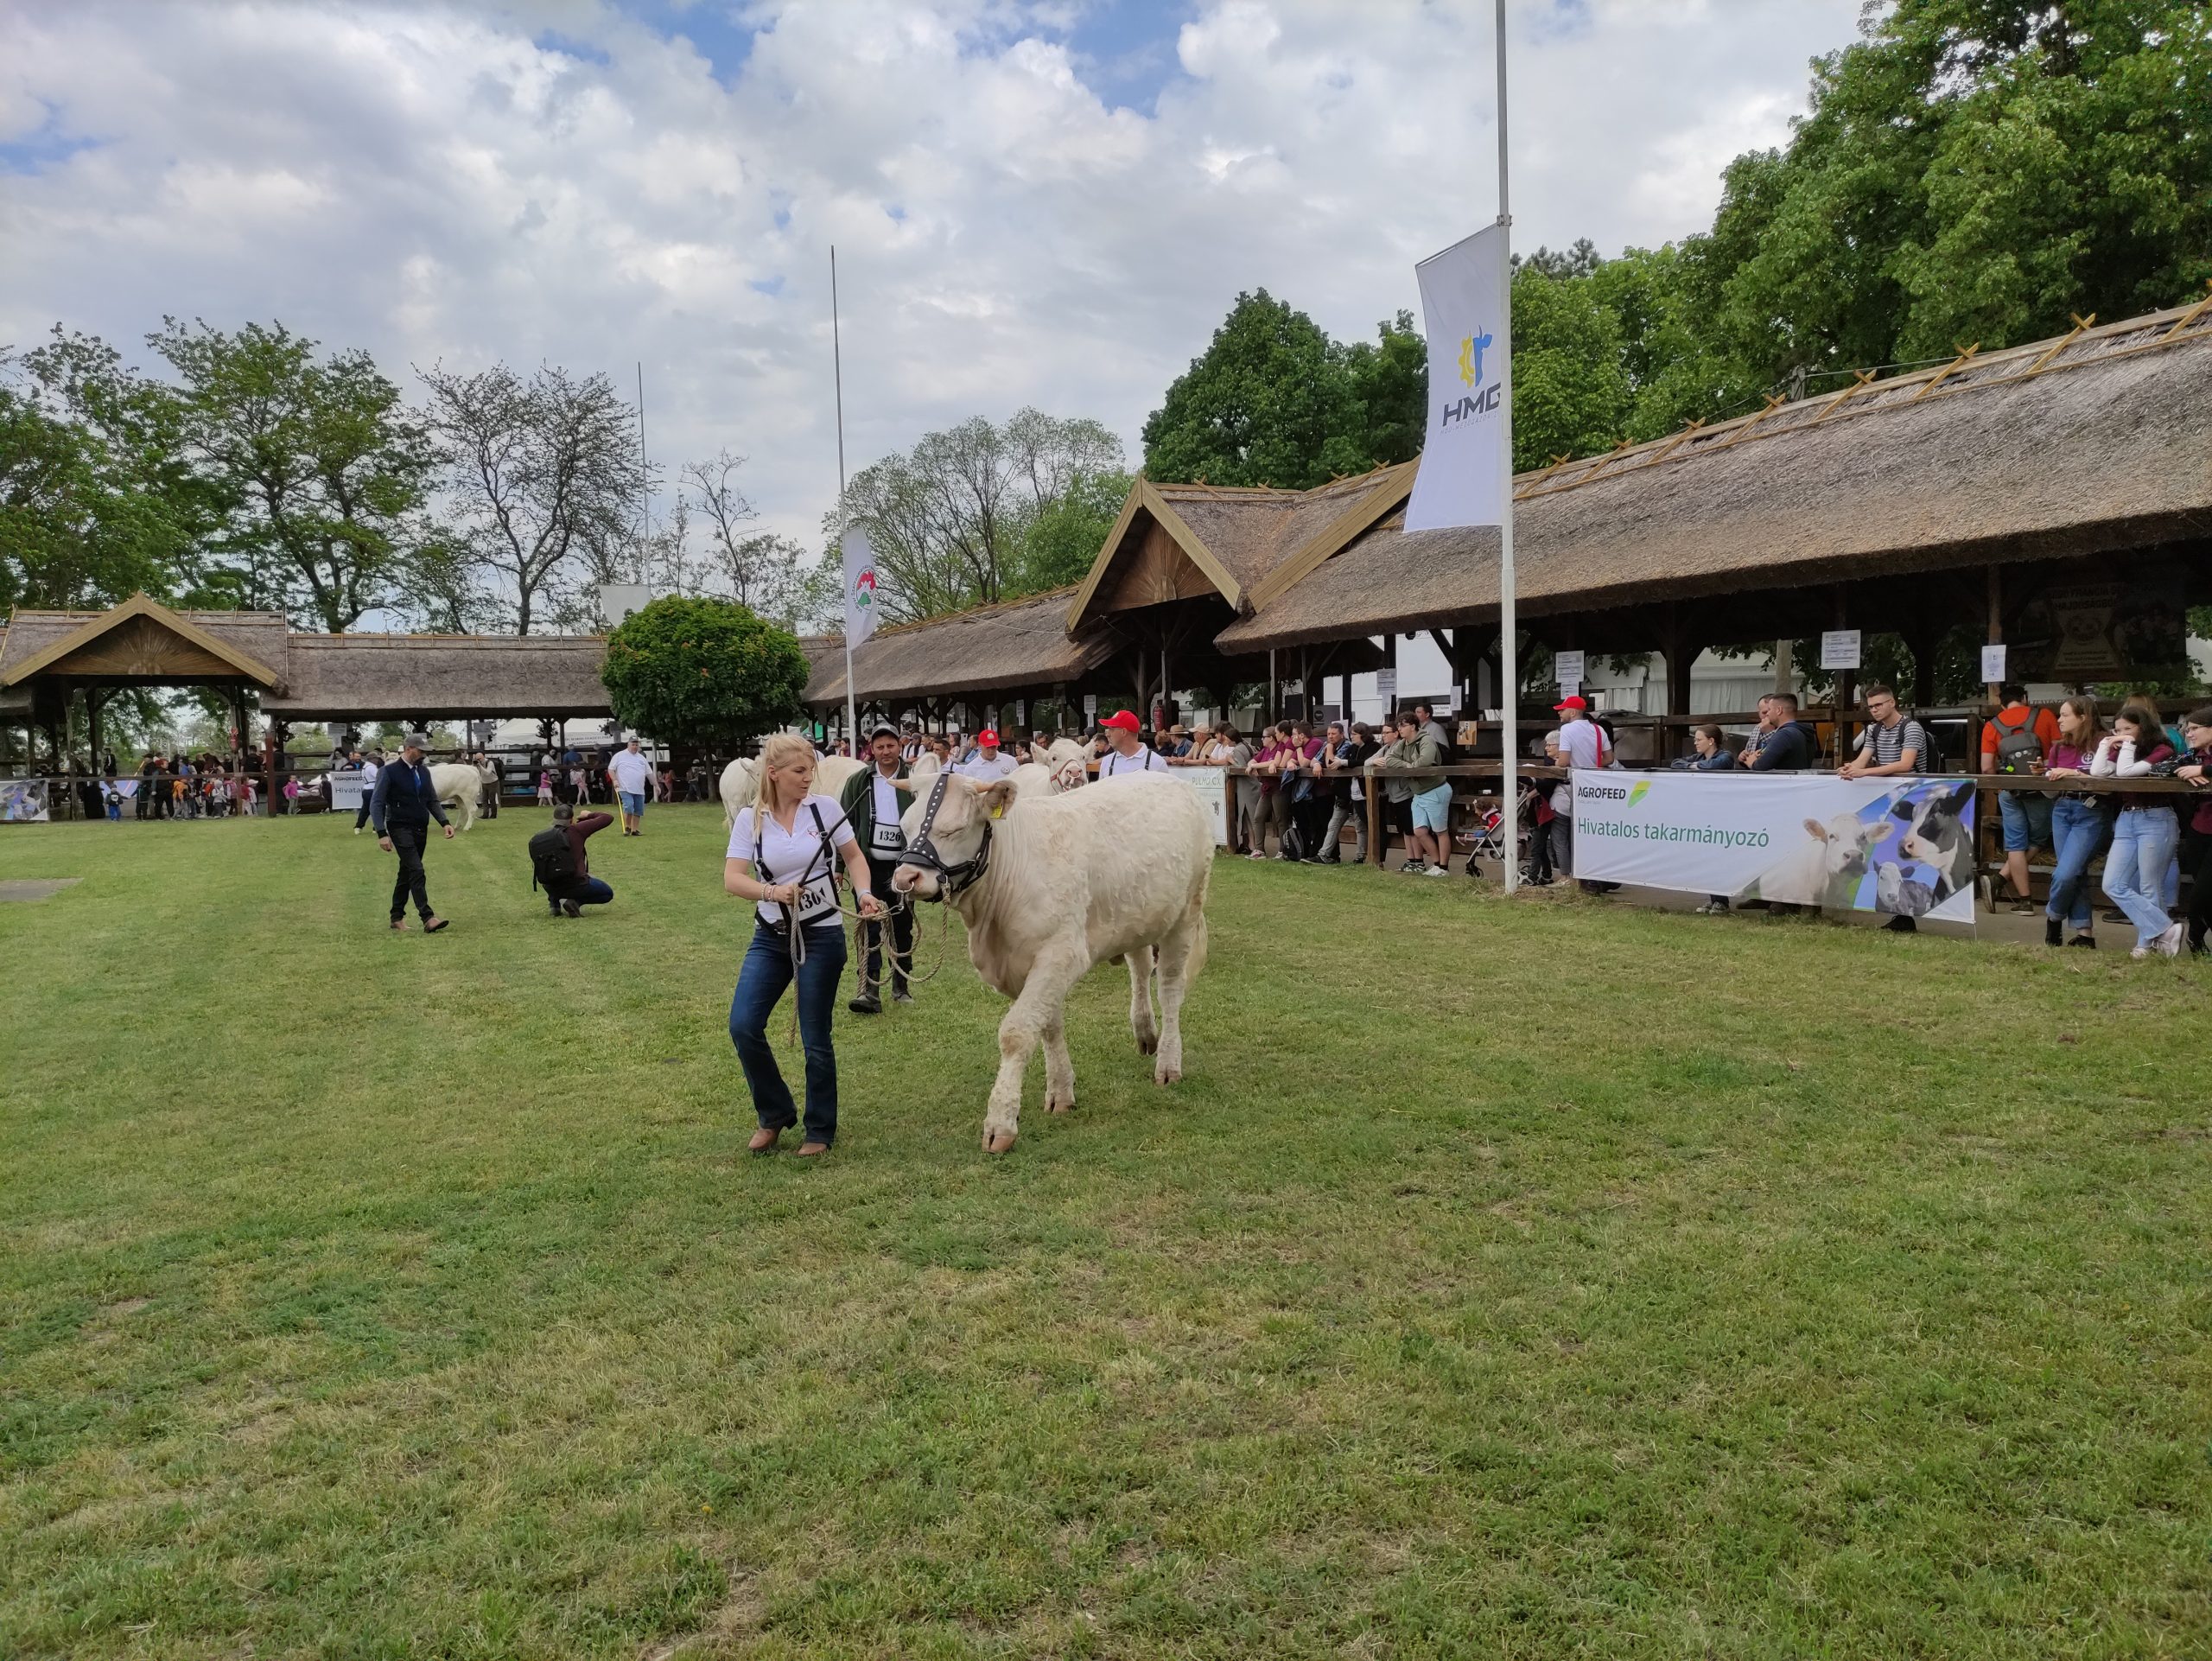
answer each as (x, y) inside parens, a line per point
(1898, 846)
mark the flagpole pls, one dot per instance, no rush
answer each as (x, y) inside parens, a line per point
(1509, 664)
(838, 363)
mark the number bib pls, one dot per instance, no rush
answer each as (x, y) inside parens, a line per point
(887, 838)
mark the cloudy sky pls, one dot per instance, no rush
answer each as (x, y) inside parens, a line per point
(1033, 201)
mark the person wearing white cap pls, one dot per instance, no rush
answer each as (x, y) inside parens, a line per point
(1127, 755)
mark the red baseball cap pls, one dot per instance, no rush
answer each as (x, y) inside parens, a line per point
(988, 738)
(1571, 701)
(1126, 720)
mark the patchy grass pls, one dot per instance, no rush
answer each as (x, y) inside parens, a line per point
(1535, 1280)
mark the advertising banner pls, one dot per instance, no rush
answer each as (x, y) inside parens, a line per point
(345, 791)
(1208, 783)
(22, 801)
(1899, 846)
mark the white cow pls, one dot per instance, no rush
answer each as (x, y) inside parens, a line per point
(741, 781)
(460, 787)
(1070, 880)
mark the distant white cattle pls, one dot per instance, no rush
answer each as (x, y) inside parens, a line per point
(741, 782)
(458, 786)
(1053, 886)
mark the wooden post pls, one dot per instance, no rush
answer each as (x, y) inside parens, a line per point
(1373, 787)
(1846, 689)
(1996, 594)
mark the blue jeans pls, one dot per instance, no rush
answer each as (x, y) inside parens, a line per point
(2077, 832)
(634, 803)
(761, 984)
(2143, 846)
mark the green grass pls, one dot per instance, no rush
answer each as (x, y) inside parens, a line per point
(1542, 1279)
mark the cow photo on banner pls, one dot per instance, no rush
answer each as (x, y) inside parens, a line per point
(1895, 847)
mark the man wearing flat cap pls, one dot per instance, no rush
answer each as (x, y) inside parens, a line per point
(404, 803)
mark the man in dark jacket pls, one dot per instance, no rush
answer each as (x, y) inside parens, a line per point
(872, 802)
(1791, 746)
(404, 803)
(585, 889)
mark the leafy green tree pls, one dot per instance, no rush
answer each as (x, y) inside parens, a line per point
(951, 521)
(1389, 380)
(1060, 543)
(1269, 403)
(702, 671)
(322, 467)
(1972, 170)
(97, 498)
(1571, 394)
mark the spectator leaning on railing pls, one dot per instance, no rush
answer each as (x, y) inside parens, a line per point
(1895, 742)
(1788, 745)
(2140, 864)
(1419, 808)
(2079, 824)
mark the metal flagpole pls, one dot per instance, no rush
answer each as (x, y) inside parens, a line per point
(1508, 656)
(838, 363)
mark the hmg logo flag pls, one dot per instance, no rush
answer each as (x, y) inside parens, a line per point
(1463, 302)
(860, 587)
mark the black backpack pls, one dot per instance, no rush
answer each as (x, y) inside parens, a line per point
(2018, 747)
(552, 860)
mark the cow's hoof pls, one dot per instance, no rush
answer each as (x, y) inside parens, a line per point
(1064, 1105)
(1147, 1046)
(1167, 1075)
(997, 1141)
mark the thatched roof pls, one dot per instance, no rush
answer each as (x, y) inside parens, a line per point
(1019, 643)
(346, 677)
(1235, 538)
(246, 644)
(2097, 442)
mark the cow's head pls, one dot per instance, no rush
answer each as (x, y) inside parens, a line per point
(948, 834)
(1932, 829)
(1846, 842)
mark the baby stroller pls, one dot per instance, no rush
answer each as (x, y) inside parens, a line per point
(1487, 839)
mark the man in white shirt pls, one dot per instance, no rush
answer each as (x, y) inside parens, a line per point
(989, 764)
(631, 775)
(1581, 744)
(872, 802)
(1127, 755)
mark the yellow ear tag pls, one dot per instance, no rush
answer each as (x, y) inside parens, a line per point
(999, 813)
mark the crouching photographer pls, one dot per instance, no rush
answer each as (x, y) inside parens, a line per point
(559, 865)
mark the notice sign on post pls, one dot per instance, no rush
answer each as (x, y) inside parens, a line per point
(1089, 708)
(1992, 663)
(1566, 669)
(1840, 648)
(1386, 685)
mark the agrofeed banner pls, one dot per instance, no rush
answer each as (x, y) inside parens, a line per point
(1899, 846)
(346, 792)
(1210, 787)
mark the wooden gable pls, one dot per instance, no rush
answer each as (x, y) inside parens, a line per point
(142, 647)
(1157, 571)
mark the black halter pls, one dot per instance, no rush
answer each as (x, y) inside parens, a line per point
(921, 852)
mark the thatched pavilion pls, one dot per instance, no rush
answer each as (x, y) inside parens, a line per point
(2056, 497)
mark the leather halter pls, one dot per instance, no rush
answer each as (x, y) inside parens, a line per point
(953, 880)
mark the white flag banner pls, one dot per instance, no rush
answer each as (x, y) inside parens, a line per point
(860, 587)
(1899, 846)
(1462, 302)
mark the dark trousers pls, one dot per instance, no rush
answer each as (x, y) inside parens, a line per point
(407, 843)
(902, 934)
(761, 984)
(362, 817)
(2196, 863)
(585, 891)
(1539, 852)
(1309, 815)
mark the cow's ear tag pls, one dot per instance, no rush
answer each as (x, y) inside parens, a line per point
(999, 811)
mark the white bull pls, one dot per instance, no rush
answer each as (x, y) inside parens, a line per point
(460, 787)
(741, 781)
(1071, 881)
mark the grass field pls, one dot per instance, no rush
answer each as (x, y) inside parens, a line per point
(1536, 1279)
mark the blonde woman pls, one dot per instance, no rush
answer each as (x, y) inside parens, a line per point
(783, 852)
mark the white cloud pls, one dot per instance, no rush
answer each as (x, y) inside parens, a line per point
(430, 181)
